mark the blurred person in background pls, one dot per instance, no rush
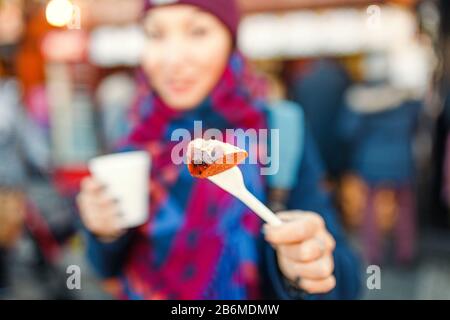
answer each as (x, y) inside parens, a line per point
(200, 242)
(378, 128)
(381, 145)
(12, 169)
(23, 147)
(319, 87)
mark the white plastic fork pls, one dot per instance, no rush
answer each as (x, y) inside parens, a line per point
(232, 182)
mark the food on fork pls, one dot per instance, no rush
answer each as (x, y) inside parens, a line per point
(210, 157)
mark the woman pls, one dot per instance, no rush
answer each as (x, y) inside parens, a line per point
(199, 242)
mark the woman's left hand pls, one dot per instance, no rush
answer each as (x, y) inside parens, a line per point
(304, 249)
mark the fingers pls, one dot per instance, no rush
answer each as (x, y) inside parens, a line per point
(91, 185)
(101, 223)
(93, 193)
(304, 249)
(319, 269)
(309, 250)
(318, 286)
(101, 201)
(296, 228)
(99, 212)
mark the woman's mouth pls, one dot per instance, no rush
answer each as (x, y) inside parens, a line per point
(180, 86)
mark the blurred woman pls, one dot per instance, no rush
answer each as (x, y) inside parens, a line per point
(200, 242)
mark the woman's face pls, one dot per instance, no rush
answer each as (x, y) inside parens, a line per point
(186, 54)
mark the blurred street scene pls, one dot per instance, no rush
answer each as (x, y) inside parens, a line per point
(371, 76)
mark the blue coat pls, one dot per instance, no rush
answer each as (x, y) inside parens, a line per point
(380, 144)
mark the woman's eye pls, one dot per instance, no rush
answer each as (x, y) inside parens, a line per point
(154, 35)
(199, 32)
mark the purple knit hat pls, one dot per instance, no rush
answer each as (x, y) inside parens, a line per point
(226, 10)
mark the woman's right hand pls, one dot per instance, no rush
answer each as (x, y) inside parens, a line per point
(99, 212)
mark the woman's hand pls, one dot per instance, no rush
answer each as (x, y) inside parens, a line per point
(99, 212)
(304, 249)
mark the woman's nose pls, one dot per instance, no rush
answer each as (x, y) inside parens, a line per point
(175, 54)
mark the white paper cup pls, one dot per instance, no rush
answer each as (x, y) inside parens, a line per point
(126, 177)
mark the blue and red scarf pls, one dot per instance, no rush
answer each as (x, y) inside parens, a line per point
(199, 242)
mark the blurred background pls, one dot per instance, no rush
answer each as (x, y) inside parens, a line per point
(372, 77)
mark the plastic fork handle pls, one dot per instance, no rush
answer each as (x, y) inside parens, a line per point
(259, 208)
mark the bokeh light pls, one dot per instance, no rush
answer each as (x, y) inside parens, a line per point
(59, 12)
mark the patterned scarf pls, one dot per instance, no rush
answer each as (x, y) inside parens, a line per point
(199, 242)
